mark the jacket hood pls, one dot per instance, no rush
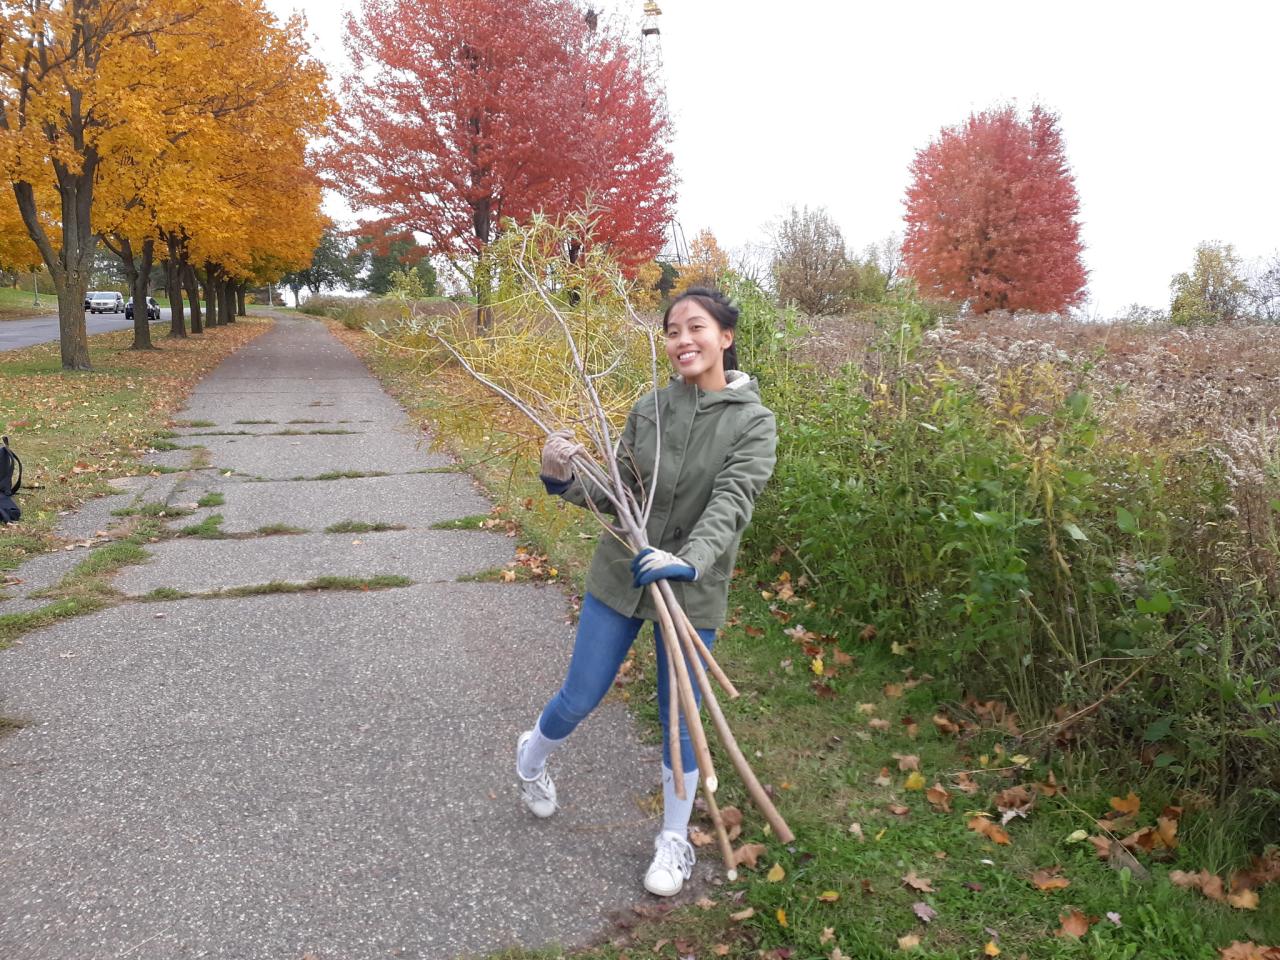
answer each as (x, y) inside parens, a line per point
(741, 388)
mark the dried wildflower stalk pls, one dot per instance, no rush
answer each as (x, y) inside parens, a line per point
(556, 369)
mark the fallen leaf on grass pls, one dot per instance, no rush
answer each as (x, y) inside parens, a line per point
(732, 818)
(924, 911)
(866, 708)
(939, 797)
(907, 761)
(836, 954)
(991, 950)
(883, 780)
(915, 882)
(893, 690)
(721, 949)
(781, 916)
(992, 831)
(705, 903)
(877, 723)
(1014, 802)
(828, 896)
(945, 725)
(776, 873)
(1049, 878)
(966, 784)
(914, 781)
(856, 830)
(700, 838)
(1248, 950)
(1243, 899)
(1209, 884)
(909, 942)
(741, 915)
(747, 854)
(897, 809)
(828, 934)
(1074, 925)
(912, 728)
(1126, 806)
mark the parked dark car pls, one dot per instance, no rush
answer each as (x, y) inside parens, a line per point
(153, 309)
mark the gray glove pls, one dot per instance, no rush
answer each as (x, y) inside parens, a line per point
(557, 453)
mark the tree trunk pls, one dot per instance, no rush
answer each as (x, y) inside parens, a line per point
(210, 295)
(188, 276)
(69, 266)
(140, 285)
(484, 293)
(172, 279)
(297, 296)
(227, 302)
(240, 305)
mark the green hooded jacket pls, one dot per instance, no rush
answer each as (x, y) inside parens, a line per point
(717, 453)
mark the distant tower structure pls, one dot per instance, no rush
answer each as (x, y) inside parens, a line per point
(675, 249)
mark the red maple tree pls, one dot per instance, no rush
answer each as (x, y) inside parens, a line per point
(992, 215)
(460, 113)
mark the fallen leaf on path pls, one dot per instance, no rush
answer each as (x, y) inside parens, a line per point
(1074, 925)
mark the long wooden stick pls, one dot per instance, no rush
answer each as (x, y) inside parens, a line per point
(722, 678)
(673, 723)
(722, 837)
(730, 743)
(710, 782)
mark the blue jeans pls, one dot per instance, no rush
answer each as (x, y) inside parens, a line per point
(603, 639)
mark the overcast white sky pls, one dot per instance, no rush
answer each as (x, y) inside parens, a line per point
(1168, 111)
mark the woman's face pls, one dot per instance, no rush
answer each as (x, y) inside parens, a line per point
(696, 344)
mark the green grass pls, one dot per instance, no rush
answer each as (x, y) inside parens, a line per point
(252, 422)
(821, 756)
(384, 581)
(210, 528)
(278, 530)
(345, 475)
(162, 594)
(359, 526)
(211, 500)
(472, 522)
(194, 423)
(16, 304)
(152, 510)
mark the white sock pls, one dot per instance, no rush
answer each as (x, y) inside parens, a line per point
(676, 812)
(533, 757)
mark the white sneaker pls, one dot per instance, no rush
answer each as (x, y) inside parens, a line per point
(538, 794)
(673, 862)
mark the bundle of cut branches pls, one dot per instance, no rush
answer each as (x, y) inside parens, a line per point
(567, 350)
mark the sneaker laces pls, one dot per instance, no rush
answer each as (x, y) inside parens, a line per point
(673, 853)
(540, 788)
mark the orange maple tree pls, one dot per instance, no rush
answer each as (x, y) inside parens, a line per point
(460, 113)
(992, 215)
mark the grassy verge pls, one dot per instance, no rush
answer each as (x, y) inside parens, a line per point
(17, 303)
(885, 775)
(76, 430)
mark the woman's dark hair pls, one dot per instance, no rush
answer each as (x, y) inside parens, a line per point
(722, 311)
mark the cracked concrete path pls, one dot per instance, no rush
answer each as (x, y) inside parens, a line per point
(325, 774)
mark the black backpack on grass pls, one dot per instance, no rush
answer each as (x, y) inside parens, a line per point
(10, 482)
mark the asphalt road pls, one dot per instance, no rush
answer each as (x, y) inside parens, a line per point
(326, 774)
(27, 333)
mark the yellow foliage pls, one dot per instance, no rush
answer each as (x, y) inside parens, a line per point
(707, 264)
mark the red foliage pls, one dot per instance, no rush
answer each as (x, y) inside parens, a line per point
(462, 112)
(992, 215)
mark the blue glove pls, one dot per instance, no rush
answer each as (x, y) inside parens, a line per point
(651, 564)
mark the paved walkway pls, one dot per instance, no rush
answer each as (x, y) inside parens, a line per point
(26, 333)
(320, 774)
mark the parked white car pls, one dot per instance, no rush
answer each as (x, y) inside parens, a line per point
(106, 301)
